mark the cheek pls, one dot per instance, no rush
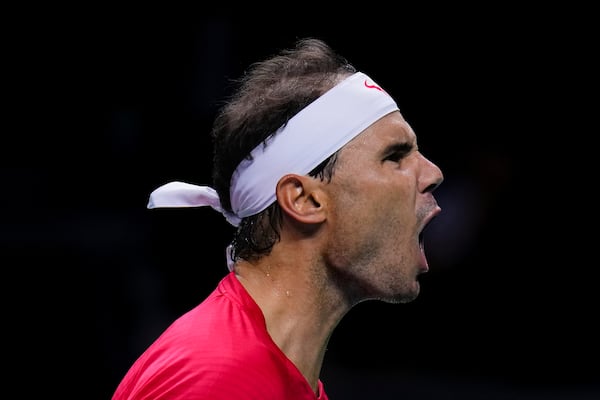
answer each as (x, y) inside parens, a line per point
(393, 212)
(372, 214)
(373, 194)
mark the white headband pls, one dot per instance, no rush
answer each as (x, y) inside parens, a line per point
(312, 135)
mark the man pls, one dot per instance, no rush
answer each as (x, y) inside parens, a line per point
(322, 176)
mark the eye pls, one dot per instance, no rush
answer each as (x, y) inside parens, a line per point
(397, 152)
(395, 156)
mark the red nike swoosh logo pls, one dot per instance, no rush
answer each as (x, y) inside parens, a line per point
(373, 86)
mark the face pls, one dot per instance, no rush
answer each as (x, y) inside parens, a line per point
(382, 200)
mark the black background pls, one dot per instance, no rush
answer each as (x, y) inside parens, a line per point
(105, 105)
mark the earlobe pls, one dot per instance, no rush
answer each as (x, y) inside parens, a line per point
(301, 197)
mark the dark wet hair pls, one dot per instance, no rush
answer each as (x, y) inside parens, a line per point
(270, 93)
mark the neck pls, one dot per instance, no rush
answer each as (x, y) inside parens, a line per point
(297, 305)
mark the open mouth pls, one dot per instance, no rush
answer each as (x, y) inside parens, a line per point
(421, 236)
(424, 228)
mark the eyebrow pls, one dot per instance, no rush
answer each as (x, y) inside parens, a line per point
(399, 147)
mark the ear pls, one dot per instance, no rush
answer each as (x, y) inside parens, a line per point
(302, 198)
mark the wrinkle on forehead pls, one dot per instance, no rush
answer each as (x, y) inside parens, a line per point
(392, 128)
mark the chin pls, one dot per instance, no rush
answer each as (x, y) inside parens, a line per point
(406, 295)
(413, 294)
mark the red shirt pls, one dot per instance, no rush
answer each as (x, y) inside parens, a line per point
(219, 350)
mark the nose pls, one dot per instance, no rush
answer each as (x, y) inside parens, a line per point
(431, 176)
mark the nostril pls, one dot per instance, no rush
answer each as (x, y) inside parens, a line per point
(432, 187)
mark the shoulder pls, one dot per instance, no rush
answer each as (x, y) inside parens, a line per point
(245, 371)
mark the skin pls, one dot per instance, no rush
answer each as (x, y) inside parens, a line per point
(353, 239)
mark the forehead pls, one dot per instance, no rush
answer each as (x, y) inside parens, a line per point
(390, 129)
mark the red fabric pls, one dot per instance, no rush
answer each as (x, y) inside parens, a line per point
(219, 350)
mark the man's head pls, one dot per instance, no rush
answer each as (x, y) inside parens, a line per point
(286, 119)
